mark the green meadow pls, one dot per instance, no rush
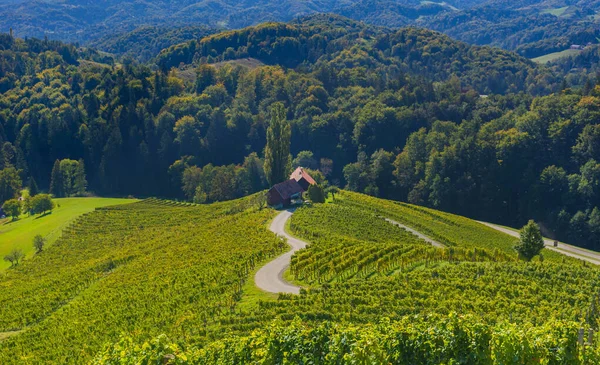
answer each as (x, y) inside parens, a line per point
(19, 234)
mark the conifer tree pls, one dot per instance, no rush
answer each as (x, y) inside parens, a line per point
(278, 160)
(32, 187)
(57, 186)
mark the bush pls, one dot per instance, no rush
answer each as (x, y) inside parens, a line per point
(316, 194)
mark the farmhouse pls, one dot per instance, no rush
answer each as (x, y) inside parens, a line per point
(303, 178)
(282, 194)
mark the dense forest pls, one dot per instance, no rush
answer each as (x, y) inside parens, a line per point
(144, 43)
(409, 114)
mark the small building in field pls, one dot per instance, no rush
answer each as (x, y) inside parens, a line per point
(282, 194)
(303, 178)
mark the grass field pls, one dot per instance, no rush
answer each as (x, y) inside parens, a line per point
(20, 233)
(556, 11)
(556, 55)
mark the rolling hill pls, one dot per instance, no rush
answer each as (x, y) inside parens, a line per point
(170, 282)
(531, 27)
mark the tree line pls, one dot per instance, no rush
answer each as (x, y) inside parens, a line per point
(387, 113)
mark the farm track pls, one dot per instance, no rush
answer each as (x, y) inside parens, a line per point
(416, 233)
(270, 277)
(562, 248)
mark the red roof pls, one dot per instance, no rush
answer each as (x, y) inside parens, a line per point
(300, 174)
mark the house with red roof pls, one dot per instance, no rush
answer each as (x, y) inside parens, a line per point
(282, 194)
(303, 178)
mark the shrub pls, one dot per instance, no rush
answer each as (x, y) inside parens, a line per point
(316, 194)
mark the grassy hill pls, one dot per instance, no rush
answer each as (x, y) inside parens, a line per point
(556, 55)
(133, 283)
(19, 234)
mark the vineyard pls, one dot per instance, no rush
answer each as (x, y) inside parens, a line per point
(145, 268)
(165, 282)
(420, 340)
(449, 229)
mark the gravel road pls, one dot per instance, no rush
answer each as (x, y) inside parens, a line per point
(417, 233)
(270, 277)
(563, 248)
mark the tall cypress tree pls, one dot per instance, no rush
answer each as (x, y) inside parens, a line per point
(278, 161)
(57, 184)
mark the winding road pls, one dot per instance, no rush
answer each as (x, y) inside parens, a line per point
(416, 233)
(270, 277)
(563, 248)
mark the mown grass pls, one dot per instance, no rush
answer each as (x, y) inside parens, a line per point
(556, 55)
(19, 234)
(555, 11)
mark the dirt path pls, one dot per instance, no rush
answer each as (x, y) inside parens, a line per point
(417, 233)
(270, 277)
(563, 248)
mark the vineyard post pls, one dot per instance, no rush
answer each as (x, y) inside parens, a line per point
(580, 337)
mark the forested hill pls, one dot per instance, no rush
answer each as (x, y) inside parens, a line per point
(144, 43)
(331, 41)
(82, 21)
(531, 27)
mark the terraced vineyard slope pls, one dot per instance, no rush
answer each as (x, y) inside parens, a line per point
(161, 282)
(145, 268)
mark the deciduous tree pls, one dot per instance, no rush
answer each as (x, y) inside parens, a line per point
(12, 208)
(10, 183)
(14, 257)
(38, 243)
(531, 242)
(41, 203)
(79, 180)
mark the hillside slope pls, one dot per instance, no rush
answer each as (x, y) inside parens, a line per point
(147, 268)
(19, 234)
(351, 47)
(123, 275)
